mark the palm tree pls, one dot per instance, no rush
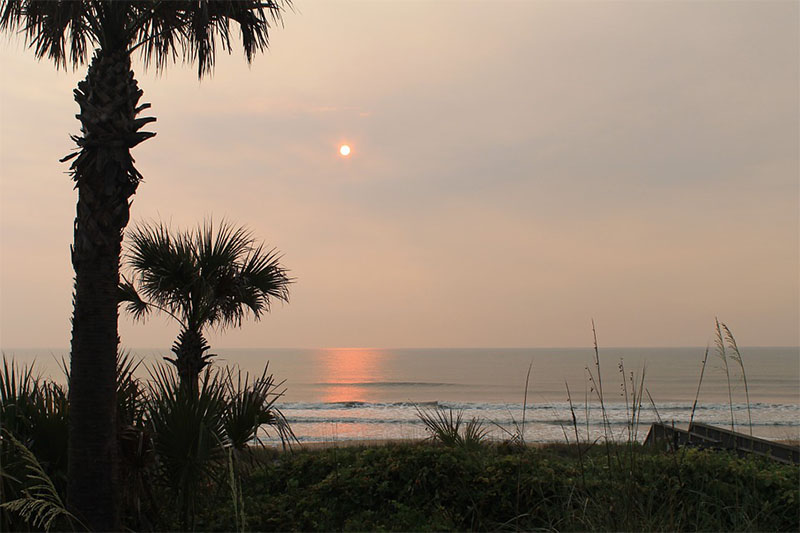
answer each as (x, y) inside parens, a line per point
(203, 278)
(105, 177)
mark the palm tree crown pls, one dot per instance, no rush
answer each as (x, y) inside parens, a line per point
(208, 277)
(162, 31)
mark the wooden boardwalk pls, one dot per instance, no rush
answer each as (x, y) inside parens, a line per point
(705, 436)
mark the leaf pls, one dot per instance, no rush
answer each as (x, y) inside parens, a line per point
(40, 506)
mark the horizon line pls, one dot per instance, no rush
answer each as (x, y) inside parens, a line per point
(601, 348)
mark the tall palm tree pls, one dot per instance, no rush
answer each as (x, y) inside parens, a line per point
(161, 31)
(207, 277)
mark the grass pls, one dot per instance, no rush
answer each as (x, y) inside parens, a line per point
(722, 354)
(736, 355)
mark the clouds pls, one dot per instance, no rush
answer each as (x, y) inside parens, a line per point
(516, 170)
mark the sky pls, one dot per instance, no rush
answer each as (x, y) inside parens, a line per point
(517, 170)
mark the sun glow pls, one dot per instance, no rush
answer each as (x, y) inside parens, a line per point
(347, 373)
(344, 150)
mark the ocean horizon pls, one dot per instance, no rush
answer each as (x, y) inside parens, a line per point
(374, 393)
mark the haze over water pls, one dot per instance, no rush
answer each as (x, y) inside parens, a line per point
(364, 393)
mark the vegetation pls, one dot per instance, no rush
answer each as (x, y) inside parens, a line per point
(173, 444)
(424, 487)
(736, 355)
(210, 277)
(723, 356)
(106, 179)
(445, 427)
(40, 504)
(33, 440)
(190, 461)
(430, 487)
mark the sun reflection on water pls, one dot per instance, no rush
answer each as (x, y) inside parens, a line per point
(347, 373)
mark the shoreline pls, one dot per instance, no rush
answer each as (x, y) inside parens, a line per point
(376, 443)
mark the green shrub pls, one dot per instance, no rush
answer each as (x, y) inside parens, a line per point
(418, 487)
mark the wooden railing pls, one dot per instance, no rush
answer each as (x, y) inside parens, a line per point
(705, 436)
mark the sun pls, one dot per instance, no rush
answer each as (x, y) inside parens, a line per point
(344, 150)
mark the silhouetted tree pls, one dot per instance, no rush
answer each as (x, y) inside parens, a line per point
(162, 31)
(203, 278)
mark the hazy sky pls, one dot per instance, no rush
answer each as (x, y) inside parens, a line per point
(518, 168)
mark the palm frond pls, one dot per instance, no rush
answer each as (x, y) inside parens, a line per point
(250, 286)
(134, 304)
(162, 31)
(163, 266)
(158, 33)
(130, 402)
(15, 382)
(219, 250)
(250, 406)
(40, 506)
(212, 276)
(58, 31)
(474, 433)
(443, 425)
(188, 431)
(263, 272)
(35, 411)
(208, 24)
(195, 31)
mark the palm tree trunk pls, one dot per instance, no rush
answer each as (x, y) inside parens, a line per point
(105, 179)
(190, 358)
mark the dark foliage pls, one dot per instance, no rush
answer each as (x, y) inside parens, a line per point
(434, 488)
(213, 276)
(173, 446)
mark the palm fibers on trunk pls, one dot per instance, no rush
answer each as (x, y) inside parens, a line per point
(190, 358)
(105, 178)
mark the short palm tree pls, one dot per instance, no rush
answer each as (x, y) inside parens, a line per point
(161, 31)
(207, 277)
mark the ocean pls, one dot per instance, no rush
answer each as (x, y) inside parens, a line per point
(361, 393)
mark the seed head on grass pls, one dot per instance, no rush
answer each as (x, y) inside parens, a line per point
(736, 355)
(723, 355)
